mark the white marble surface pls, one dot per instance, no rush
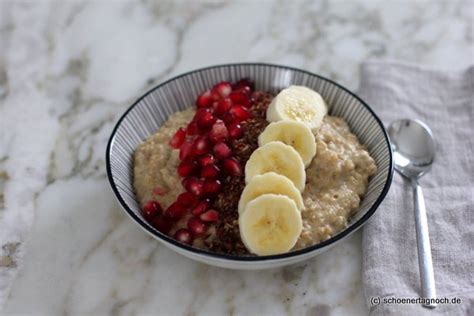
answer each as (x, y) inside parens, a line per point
(67, 72)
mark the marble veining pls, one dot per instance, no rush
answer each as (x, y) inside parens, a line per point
(68, 70)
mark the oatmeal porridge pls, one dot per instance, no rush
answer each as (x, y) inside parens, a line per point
(335, 179)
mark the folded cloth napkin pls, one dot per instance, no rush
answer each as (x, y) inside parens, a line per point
(445, 101)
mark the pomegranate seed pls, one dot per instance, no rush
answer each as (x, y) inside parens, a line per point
(215, 96)
(192, 128)
(178, 138)
(202, 145)
(228, 118)
(196, 226)
(151, 209)
(193, 185)
(245, 82)
(211, 186)
(239, 112)
(183, 235)
(186, 167)
(245, 91)
(162, 223)
(204, 118)
(210, 171)
(219, 132)
(186, 150)
(222, 151)
(214, 107)
(248, 104)
(240, 97)
(223, 88)
(175, 211)
(201, 207)
(209, 216)
(187, 199)
(199, 113)
(204, 99)
(232, 167)
(235, 130)
(222, 106)
(206, 160)
(185, 181)
(159, 191)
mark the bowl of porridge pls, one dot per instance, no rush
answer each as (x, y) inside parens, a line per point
(249, 166)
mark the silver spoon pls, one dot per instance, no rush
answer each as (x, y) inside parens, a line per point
(414, 151)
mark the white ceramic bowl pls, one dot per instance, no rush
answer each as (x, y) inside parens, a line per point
(146, 115)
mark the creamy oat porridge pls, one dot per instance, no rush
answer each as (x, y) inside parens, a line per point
(336, 179)
(164, 178)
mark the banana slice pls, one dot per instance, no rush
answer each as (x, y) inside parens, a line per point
(270, 224)
(298, 103)
(296, 134)
(279, 158)
(269, 182)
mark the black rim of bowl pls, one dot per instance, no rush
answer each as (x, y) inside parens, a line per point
(287, 255)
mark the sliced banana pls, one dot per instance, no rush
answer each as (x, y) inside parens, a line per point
(298, 103)
(279, 158)
(270, 224)
(293, 133)
(269, 182)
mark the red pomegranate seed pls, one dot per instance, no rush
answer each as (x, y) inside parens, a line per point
(245, 82)
(211, 186)
(151, 209)
(214, 107)
(228, 118)
(193, 185)
(219, 132)
(186, 150)
(235, 130)
(186, 167)
(210, 171)
(206, 160)
(185, 181)
(209, 216)
(222, 106)
(222, 151)
(201, 207)
(199, 113)
(162, 223)
(204, 118)
(245, 90)
(160, 191)
(215, 96)
(204, 100)
(187, 199)
(223, 88)
(202, 145)
(241, 97)
(183, 235)
(178, 138)
(196, 226)
(175, 211)
(239, 112)
(232, 167)
(192, 128)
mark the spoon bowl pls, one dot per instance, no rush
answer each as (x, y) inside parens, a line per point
(413, 147)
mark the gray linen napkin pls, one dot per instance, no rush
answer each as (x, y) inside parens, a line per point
(444, 100)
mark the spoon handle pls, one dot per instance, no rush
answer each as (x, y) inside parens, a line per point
(423, 242)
